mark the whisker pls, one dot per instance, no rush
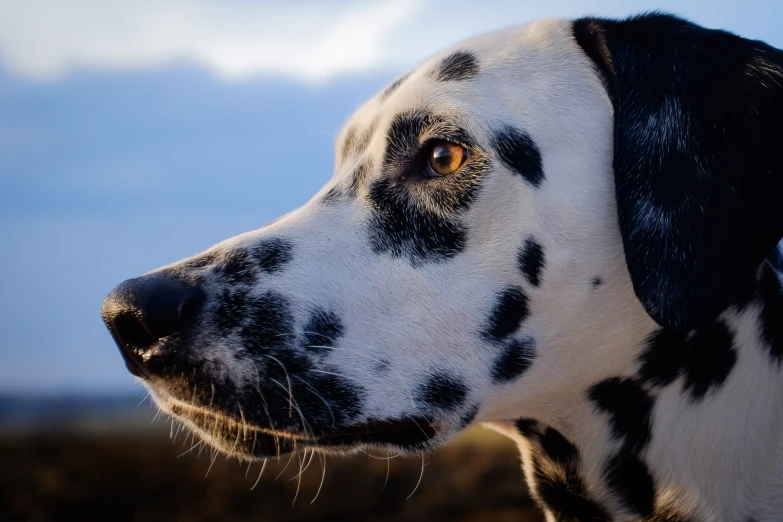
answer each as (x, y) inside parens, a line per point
(288, 378)
(388, 470)
(276, 438)
(312, 455)
(199, 443)
(176, 433)
(421, 475)
(285, 467)
(214, 458)
(244, 424)
(315, 392)
(322, 458)
(299, 480)
(146, 396)
(263, 467)
(305, 425)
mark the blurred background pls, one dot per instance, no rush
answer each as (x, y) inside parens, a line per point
(137, 132)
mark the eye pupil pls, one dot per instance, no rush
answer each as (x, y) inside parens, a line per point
(447, 157)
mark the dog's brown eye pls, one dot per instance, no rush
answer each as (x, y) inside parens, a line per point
(447, 157)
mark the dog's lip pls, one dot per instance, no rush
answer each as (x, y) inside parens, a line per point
(405, 432)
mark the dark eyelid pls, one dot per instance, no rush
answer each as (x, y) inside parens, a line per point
(454, 135)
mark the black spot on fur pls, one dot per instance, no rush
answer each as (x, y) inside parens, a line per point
(461, 65)
(231, 309)
(662, 360)
(709, 359)
(530, 261)
(344, 396)
(628, 476)
(289, 375)
(557, 448)
(517, 356)
(238, 268)
(402, 138)
(442, 391)
(527, 427)
(322, 331)
(704, 357)
(201, 261)
(401, 228)
(269, 324)
(416, 219)
(358, 177)
(629, 408)
(557, 482)
(566, 498)
(508, 314)
(558, 485)
(596, 282)
(288, 381)
(519, 153)
(771, 295)
(272, 254)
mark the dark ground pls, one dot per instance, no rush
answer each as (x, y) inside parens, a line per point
(137, 476)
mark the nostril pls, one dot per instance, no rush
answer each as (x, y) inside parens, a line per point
(148, 316)
(131, 332)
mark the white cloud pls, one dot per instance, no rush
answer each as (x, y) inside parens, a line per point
(310, 40)
(43, 39)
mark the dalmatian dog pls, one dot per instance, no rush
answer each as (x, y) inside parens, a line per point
(566, 231)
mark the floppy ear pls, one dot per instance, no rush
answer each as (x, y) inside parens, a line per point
(698, 158)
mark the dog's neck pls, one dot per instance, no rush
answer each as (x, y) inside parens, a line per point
(694, 431)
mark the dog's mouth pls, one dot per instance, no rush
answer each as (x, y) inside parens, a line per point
(408, 433)
(249, 442)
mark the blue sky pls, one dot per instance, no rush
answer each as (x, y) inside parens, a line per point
(134, 133)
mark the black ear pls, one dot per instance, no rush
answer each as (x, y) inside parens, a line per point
(698, 158)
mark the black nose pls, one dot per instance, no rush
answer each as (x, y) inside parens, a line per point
(148, 316)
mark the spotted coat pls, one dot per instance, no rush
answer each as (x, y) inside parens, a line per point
(594, 280)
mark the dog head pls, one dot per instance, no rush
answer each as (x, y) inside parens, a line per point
(505, 224)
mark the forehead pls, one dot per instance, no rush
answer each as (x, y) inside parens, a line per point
(510, 75)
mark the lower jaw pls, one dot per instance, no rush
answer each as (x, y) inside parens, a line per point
(411, 435)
